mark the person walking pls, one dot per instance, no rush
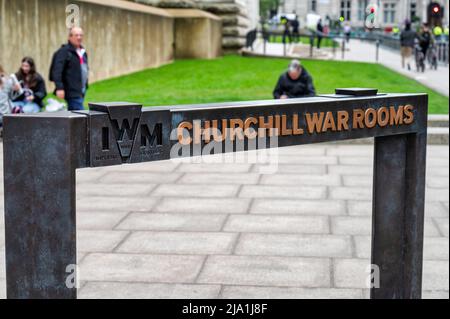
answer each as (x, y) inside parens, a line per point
(294, 83)
(70, 71)
(425, 39)
(407, 41)
(296, 29)
(33, 85)
(319, 31)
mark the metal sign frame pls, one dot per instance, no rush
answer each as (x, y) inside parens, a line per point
(42, 152)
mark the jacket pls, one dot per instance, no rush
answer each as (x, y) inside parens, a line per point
(65, 71)
(302, 87)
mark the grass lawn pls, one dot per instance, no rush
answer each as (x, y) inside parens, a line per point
(235, 78)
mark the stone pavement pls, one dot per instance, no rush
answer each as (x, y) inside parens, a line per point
(179, 230)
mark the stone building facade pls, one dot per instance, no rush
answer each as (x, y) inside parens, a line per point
(238, 16)
(390, 12)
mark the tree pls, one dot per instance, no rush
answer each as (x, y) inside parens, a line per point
(268, 8)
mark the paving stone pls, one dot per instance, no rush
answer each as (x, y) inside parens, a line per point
(296, 169)
(103, 189)
(350, 150)
(294, 245)
(443, 225)
(178, 190)
(251, 292)
(102, 203)
(435, 275)
(266, 271)
(277, 224)
(86, 175)
(351, 273)
(265, 191)
(301, 207)
(160, 166)
(349, 170)
(304, 150)
(203, 205)
(200, 243)
(2, 288)
(435, 248)
(219, 178)
(317, 160)
(436, 195)
(140, 268)
(362, 225)
(437, 171)
(2, 264)
(128, 290)
(364, 208)
(214, 168)
(301, 179)
(437, 294)
(99, 240)
(99, 220)
(172, 222)
(437, 161)
(353, 193)
(356, 160)
(365, 181)
(140, 177)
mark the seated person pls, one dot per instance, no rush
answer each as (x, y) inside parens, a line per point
(34, 91)
(7, 90)
(294, 83)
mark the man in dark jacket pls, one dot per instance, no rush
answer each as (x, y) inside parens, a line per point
(407, 42)
(294, 83)
(70, 71)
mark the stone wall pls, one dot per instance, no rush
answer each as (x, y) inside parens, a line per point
(119, 38)
(238, 16)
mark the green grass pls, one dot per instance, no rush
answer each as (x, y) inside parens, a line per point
(235, 78)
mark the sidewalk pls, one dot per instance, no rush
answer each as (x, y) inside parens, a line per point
(177, 230)
(361, 51)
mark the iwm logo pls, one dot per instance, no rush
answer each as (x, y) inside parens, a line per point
(126, 134)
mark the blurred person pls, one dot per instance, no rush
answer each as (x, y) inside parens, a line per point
(287, 30)
(294, 83)
(70, 71)
(296, 29)
(9, 87)
(407, 40)
(33, 85)
(347, 31)
(320, 32)
(425, 39)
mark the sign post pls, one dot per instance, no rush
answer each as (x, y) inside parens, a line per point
(42, 152)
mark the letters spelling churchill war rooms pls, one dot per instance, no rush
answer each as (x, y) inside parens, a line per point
(292, 124)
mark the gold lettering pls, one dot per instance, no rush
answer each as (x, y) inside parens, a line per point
(207, 132)
(396, 117)
(358, 118)
(277, 125)
(284, 130)
(197, 132)
(248, 129)
(180, 129)
(295, 123)
(329, 123)
(266, 125)
(409, 114)
(383, 116)
(370, 118)
(236, 131)
(315, 122)
(342, 120)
